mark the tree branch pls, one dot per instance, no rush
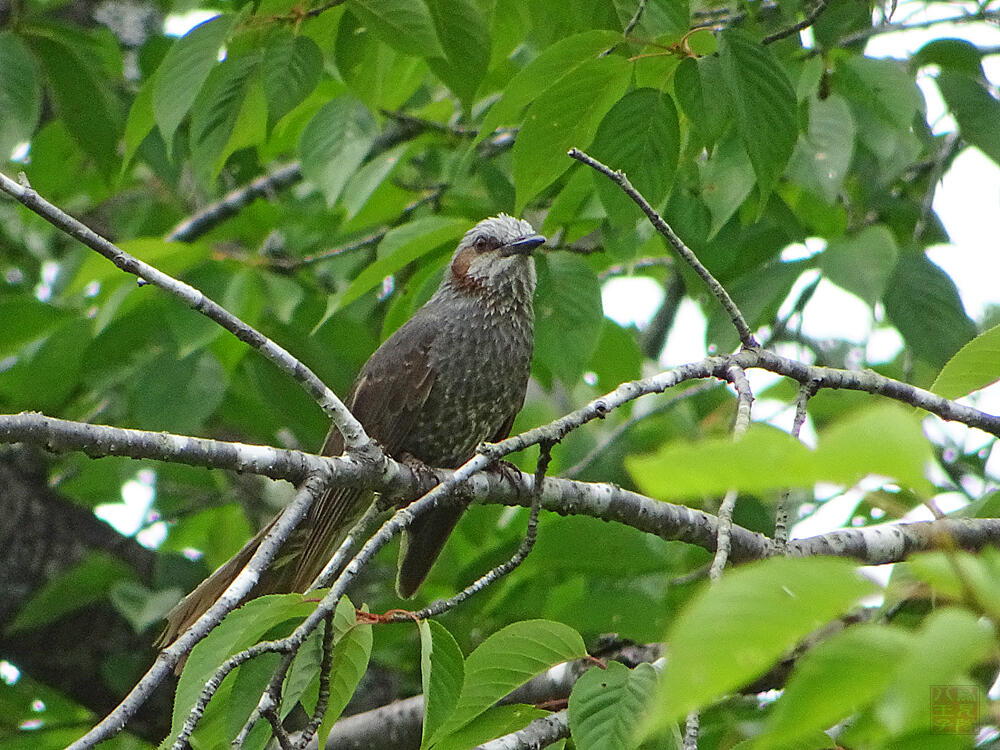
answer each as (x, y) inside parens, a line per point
(354, 434)
(718, 291)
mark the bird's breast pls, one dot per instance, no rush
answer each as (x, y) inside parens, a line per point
(481, 361)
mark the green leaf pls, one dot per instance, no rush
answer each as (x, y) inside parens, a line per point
(25, 319)
(465, 36)
(861, 263)
(46, 377)
(370, 178)
(177, 395)
(823, 154)
(604, 705)
(491, 724)
(949, 643)
(140, 123)
(402, 246)
(334, 144)
(922, 302)
(240, 629)
(765, 105)
(544, 71)
(834, 680)
(640, 130)
(75, 588)
(953, 55)
(568, 315)
(85, 103)
(442, 670)
(229, 113)
(141, 606)
(975, 109)
(302, 682)
(405, 25)
(726, 180)
(617, 358)
(184, 70)
(885, 440)
(754, 614)
(565, 115)
(20, 94)
(957, 574)
(701, 94)
(509, 658)
(290, 69)
(351, 654)
(974, 366)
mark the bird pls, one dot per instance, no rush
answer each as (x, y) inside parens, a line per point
(454, 375)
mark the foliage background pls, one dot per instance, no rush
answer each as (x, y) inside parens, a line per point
(412, 120)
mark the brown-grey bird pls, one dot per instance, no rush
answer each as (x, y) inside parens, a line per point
(451, 377)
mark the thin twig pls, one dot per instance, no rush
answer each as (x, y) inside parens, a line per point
(691, 731)
(527, 544)
(718, 291)
(323, 697)
(806, 392)
(635, 18)
(293, 513)
(723, 545)
(805, 23)
(354, 434)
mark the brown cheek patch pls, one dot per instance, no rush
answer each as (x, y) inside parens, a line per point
(460, 270)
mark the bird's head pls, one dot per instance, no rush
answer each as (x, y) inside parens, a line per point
(495, 257)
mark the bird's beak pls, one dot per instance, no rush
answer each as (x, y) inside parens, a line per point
(522, 246)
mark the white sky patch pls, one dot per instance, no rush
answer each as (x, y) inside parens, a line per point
(8, 672)
(130, 515)
(179, 24)
(833, 313)
(631, 300)
(686, 340)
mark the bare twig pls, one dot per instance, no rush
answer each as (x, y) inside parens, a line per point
(891, 28)
(293, 513)
(527, 544)
(805, 23)
(354, 434)
(661, 226)
(806, 392)
(691, 726)
(738, 377)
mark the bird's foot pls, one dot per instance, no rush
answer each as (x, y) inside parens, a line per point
(425, 474)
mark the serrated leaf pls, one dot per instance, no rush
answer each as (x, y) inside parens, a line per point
(290, 69)
(79, 586)
(184, 70)
(823, 154)
(402, 246)
(922, 302)
(974, 366)
(82, 97)
(334, 144)
(20, 93)
(240, 629)
(700, 89)
(861, 263)
(442, 670)
(975, 109)
(765, 104)
(640, 135)
(604, 705)
(565, 115)
(568, 315)
(509, 658)
(405, 25)
(834, 680)
(544, 71)
(885, 441)
(754, 614)
(465, 37)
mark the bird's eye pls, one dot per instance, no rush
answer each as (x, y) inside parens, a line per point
(485, 244)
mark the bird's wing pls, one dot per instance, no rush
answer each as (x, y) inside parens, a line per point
(387, 398)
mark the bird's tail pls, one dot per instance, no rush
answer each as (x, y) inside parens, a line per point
(422, 542)
(194, 605)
